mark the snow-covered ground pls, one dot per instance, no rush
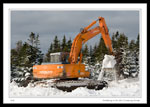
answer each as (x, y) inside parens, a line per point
(122, 88)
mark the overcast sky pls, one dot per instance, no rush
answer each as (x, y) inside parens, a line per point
(50, 23)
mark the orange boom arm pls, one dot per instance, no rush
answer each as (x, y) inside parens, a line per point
(86, 35)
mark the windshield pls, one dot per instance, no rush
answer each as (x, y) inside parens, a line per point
(61, 57)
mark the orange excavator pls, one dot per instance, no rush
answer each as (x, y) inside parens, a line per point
(67, 67)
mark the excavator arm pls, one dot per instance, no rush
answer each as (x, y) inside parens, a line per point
(86, 35)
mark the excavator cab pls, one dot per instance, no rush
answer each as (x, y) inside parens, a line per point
(59, 57)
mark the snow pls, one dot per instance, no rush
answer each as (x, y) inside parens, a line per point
(127, 73)
(107, 65)
(101, 74)
(122, 88)
(129, 87)
(108, 61)
(57, 53)
(27, 74)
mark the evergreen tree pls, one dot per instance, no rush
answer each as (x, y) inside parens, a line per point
(50, 50)
(122, 41)
(59, 47)
(64, 44)
(69, 44)
(39, 56)
(85, 53)
(101, 50)
(120, 45)
(90, 50)
(129, 63)
(27, 54)
(125, 62)
(114, 40)
(56, 45)
(37, 51)
(14, 59)
(119, 41)
(132, 45)
(133, 59)
(32, 38)
(37, 41)
(137, 54)
(133, 64)
(24, 55)
(18, 46)
(137, 41)
(90, 55)
(127, 56)
(93, 55)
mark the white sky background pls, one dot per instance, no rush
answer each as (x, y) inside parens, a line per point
(60, 23)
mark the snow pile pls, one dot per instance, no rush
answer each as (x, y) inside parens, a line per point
(109, 61)
(31, 91)
(122, 88)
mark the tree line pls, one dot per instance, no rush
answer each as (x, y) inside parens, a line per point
(127, 53)
(26, 54)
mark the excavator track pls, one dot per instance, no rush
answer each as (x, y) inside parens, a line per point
(70, 85)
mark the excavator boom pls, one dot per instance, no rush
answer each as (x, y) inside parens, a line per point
(86, 35)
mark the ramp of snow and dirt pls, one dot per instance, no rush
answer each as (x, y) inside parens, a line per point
(122, 88)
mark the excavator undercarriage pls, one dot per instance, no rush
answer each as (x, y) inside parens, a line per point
(71, 84)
